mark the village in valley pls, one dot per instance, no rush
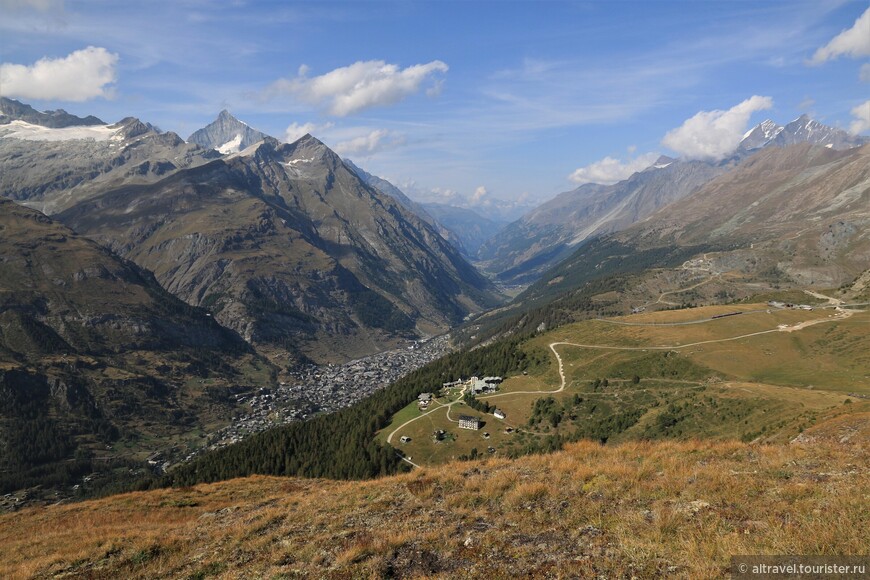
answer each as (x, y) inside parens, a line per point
(314, 389)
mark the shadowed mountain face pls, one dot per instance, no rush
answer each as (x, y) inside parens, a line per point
(288, 247)
(92, 350)
(282, 242)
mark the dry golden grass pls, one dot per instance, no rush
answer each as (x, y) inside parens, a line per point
(640, 509)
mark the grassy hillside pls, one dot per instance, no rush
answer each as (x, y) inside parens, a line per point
(638, 509)
(763, 374)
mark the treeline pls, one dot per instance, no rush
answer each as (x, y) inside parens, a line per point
(342, 445)
(478, 405)
(590, 419)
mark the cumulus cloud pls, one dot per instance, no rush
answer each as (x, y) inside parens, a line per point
(83, 75)
(862, 118)
(864, 74)
(714, 134)
(610, 170)
(360, 86)
(296, 131)
(854, 42)
(479, 196)
(371, 143)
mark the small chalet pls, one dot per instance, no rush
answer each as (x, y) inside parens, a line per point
(469, 422)
(499, 414)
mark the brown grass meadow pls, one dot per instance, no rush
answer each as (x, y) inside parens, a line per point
(638, 509)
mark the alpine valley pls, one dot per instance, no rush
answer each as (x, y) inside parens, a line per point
(700, 326)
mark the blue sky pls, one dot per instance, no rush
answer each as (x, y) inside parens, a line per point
(458, 101)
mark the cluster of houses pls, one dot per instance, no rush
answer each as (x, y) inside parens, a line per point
(778, 304)
(476, 385)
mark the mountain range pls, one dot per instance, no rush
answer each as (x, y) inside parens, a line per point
(146, 281)
(794, 216)
(525, 249)
(283, 243)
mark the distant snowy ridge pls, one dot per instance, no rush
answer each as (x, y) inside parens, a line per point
(30, 132)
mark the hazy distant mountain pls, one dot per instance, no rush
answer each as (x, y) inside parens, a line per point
(287, 246)
(420, 210)
(12, 110)
(526, 248)
(468, 226)
(226, 134)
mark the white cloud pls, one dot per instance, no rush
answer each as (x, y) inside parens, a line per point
(862, 118)
(83, 75)
(853, 42)
(360, 86)
(610, 170)
(296, 131)
(479, 196)
(714, 134)
(371, 143)
(864, 73)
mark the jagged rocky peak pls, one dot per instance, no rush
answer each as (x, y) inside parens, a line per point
(802, 130)
(133, 127)
(12, 110)
(227, 134)
(761, 135)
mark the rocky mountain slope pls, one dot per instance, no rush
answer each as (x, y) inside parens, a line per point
(289, 248)
(93, 351)
(226, 134)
